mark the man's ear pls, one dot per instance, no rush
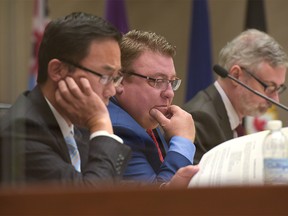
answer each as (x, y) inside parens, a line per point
(56, 70)
(236, 72)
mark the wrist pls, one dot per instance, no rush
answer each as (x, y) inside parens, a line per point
(97, 124)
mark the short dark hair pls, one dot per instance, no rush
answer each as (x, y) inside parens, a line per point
(70, 37)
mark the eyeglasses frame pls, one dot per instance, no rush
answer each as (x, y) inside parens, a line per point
(279, 90)
(153, 79)
(106, 79)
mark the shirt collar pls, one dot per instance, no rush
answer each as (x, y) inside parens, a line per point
(64, 127)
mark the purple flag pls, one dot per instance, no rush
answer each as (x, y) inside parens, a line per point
(116, 14)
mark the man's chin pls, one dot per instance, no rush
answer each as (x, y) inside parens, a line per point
(263, 110)
(259, 112)
(153, 124)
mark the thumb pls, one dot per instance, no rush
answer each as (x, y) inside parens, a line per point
(182, 177)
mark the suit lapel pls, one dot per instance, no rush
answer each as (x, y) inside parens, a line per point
(221, 110)
(43, 108)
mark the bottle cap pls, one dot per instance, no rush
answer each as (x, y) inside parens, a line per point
(274, 125)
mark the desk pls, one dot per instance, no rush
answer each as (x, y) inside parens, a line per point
(54, 200)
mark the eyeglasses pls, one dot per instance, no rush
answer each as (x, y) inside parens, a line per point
(104, 79)
(159, 83)
(268, 89)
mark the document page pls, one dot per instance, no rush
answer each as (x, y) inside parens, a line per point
(235, 162)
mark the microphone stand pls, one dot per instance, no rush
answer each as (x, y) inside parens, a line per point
(223, 73)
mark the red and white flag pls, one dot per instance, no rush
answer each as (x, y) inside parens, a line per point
(40, 20)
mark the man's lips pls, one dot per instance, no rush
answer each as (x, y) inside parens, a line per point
(163, 109)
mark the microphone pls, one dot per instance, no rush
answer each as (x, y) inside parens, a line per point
(223, 73)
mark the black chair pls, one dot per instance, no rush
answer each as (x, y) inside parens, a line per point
(3, 108)
(11, 164)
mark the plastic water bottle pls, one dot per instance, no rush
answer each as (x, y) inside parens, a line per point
(275, 154)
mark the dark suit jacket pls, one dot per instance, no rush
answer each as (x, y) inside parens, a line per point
(30, 124)
(211, 120)
(145, 165)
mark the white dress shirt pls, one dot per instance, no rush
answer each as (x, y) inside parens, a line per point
(232, 115)
(65, 128)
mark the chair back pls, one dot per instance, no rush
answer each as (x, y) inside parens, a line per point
(4, 108)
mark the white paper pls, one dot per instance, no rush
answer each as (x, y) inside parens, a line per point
(235, 162)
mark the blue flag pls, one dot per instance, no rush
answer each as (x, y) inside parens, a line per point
(115, 13)
(200, 60)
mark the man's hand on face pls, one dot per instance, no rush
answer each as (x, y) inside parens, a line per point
(179, 122)
(82, 105)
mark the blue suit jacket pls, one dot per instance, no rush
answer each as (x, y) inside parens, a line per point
(144, 164)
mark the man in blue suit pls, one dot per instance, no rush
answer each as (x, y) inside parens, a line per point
(143, 102)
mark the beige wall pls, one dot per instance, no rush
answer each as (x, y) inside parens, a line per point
(170, 18)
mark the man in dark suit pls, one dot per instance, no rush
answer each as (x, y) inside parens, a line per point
(79, 61)
(143, 102)
(257, 60)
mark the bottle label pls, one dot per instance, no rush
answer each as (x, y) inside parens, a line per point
(276, 170)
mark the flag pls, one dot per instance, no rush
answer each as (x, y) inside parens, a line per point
(200, 60)
(255, 15)
(256, 124)
(115, 13)
(40, 20)
(256, 18)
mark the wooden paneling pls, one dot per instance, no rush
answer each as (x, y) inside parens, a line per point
(53, 200)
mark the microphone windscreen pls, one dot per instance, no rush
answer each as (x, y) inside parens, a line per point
(220, 71)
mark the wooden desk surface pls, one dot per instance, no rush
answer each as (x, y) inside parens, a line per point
(54, 200)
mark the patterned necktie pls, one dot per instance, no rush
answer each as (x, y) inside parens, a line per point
(151, 134)
(73, 151)
(240, 130)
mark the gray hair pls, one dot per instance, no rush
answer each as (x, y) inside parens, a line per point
(251, 48)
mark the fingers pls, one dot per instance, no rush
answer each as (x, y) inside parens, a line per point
(62, 94)
(67, 91)
(87, 90)
(80, 104)
(77, 102)
(187, 172)
(182, 177)
(178, 122)
(173, 108)
(159, 117)
(163, 119)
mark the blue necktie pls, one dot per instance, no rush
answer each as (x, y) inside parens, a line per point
(73, 151)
